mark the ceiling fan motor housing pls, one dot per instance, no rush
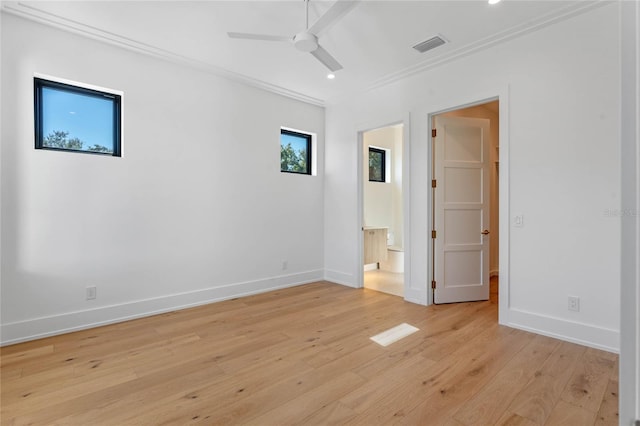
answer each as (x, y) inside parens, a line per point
(305, 42)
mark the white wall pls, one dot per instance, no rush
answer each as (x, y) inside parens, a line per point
(630, 213)
(383, 201)
(559, 100)
(192, 212)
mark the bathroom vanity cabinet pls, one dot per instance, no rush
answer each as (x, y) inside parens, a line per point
(375, 244)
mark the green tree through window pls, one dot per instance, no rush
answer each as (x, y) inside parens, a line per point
(59, 139)
(292, 160)
(295, 152)
(377, 160)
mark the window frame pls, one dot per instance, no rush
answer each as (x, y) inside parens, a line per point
(309, 139)
(383, 163)
(40, 82)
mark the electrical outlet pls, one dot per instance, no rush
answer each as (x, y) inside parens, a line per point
(285, 265)
(91, 292)
(574, 303)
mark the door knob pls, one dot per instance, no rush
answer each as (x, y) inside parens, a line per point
(485, 232)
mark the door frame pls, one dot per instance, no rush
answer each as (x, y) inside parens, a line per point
(629, 403)
(406, 201)
(504, 215)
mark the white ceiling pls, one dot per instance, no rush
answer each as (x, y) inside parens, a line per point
(373, 41)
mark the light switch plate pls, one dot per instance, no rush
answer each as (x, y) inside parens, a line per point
(518, 221)
(91, 292)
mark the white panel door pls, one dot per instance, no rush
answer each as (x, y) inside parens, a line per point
(461, 165)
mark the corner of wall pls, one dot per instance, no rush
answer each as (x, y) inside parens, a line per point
(340, 278)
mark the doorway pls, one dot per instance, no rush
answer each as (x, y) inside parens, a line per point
(383, 210)
(465, 195)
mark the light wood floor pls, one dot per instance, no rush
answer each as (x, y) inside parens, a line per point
(384, 281)
(303, 356)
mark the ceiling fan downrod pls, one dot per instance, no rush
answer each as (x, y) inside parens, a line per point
(306, 2)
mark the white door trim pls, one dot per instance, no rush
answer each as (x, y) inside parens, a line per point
(504, 214)
(630, 223)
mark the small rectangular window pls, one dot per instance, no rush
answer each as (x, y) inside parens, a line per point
(377, 164)
(295, 152)
(78, 119)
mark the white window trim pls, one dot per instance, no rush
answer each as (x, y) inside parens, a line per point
(314, 147)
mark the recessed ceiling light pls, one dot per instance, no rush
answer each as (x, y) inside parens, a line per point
(494, 1)
(331, 76)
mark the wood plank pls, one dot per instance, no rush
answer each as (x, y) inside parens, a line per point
(568, 414)
(587, 386)
(445, 400)
(9, 374)
(537, 401)
(390, 358)
(303, 356)
(513, 419)
(153, 396)
(452, 422)
(233, 406)
(17, 356)
(320, 396)
(389, 382)
(15, 405)
(608, 414)
(489, 404)
(538, 398)
(335, 413)
(524, 388)
(442, 381)
(447, 333)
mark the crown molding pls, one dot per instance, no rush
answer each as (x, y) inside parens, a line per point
(480, 45)
(34, 14)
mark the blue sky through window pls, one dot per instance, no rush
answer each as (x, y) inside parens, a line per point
(297, 142)
(87, 118)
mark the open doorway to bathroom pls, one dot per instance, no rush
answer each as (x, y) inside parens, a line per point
(383, 223)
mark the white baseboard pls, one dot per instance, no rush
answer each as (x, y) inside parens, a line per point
(371, 267)
(21, 331)
(37, 328)
(559, 328)
(340, 278)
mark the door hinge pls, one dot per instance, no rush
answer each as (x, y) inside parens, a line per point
(433, 183)
(433, 234)
(433, 284)
(433, 133)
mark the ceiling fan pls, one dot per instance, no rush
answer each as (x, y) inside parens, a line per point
(307, 40)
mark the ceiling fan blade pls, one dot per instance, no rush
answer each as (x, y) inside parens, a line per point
(264, 37)
(335, 12)
(326, 59)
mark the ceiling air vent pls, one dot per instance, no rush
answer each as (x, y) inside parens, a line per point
(432, 43)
